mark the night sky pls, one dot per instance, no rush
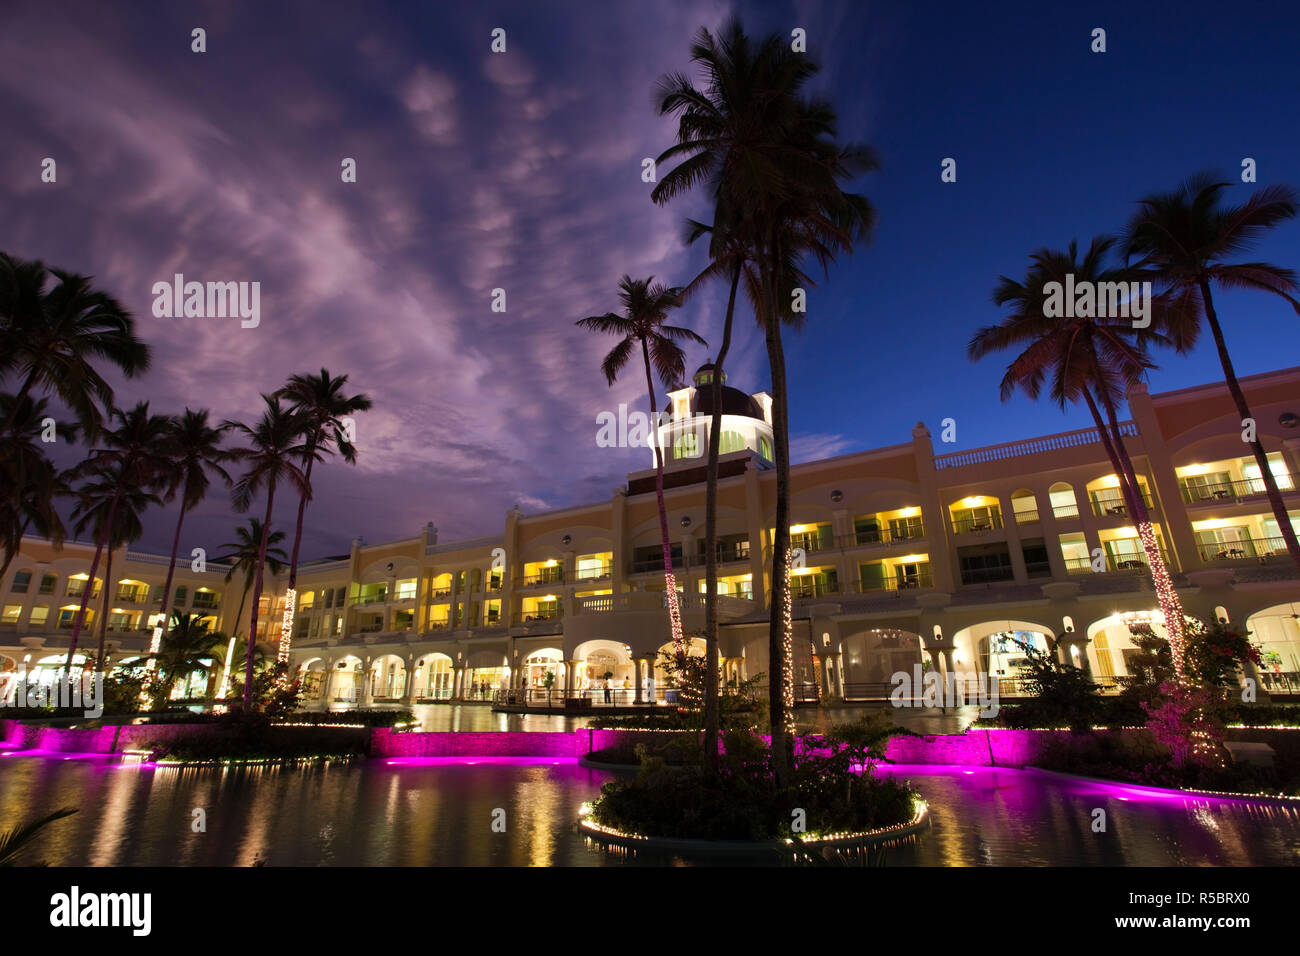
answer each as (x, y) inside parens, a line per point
(522, 171)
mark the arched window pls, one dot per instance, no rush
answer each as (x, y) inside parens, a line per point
(731, 441)
(765, 448)
(686, 446)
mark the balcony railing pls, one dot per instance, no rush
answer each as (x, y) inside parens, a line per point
(131, 596)
(1233, 490)
(1122, 562)
(553, 575)
(1026, 517)
(864, 537)
(727, 554)
(1029, 446)
(1065, 511)
(1116, 507)
(971, 525)
(805, 586)
(598, 573)
(533, 617)
(441, 591)
(1245, 550)
(987, 575)
(656, 563)
(910, 582)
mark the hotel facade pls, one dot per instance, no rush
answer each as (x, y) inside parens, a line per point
(904, 555)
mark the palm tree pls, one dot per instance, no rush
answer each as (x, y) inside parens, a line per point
(276, 447)
(320, 400)
(760, 145)
(243, 557)
(30, 484)
(129, 466)
(52, 339)
(109, 492)
(646, 305)
(730, 253)
(187, 648)
(195, 457)
(1186, 237)
(13, 841)
(1093, 359)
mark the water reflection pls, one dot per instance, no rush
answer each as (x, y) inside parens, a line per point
(440, 812)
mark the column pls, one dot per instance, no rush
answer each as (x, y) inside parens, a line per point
(837, 686)
(637, 683)
(408, 692)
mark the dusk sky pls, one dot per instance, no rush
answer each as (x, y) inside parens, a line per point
(522, 170)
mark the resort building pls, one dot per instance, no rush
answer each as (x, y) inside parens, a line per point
(905, 554)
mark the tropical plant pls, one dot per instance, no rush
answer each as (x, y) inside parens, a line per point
(53, 338)
(1095, 358)
(129, 464)
(1185, 238)
(30, 484)
(642, 325)
(273, 455)
(187, 647)
(761, 146)
(325, 411)
(242, 554)
(12, 842)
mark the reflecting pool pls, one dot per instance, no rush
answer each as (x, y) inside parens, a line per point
(440, 813)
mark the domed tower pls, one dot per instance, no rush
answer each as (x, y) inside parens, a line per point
(746, 421)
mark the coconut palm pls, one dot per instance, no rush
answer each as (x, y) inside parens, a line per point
(275, 450)
(30, 484)
(108, 492)
(52, 339)
(1186, 237)
(129, 465)
(243, 557)
(324, 406)
(730, 253)
(13, 841)
(758, 144)
(643, 324)
(195, 458)
(1093, 359)
(187, 647)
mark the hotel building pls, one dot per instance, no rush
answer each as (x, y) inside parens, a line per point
(906, 552)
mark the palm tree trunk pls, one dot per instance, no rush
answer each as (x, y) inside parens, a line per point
(1170, 605)
(90, 586)
(103, 610)
(291, 596)
(1284, 525)
(257, 597)
(711, 689)
(171, 570)
(781, 680)
(670, 581)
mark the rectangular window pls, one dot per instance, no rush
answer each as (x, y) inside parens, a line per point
(40, 614)
(11, 613)
(47, 583)
(22, 581)
(178, 599)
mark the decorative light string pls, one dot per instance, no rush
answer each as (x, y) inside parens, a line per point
(787, 644)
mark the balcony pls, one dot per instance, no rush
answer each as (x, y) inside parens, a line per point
(909, 582)
(1122, 562)
(537, 616)
(1116, 507)
(1255, 549)
(442, 591)
(865, 537)
(806, 586)
(211, 604)
(656, 564)
(131, 596)
(553, 575)
(1243, 490)
(727, 554)
(987, 575)
(598, 573)
(973, 525)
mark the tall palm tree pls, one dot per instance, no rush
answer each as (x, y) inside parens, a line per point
(108, 491)
(130, 464)
(273, 455)
(646, 305)
(243, 557)
(730, 253)
(1090, 359)
(759, 144)
(1186, 237)
(323, 405)
(53, 339)
(187, 648)
(30, 484)
(195, 458)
